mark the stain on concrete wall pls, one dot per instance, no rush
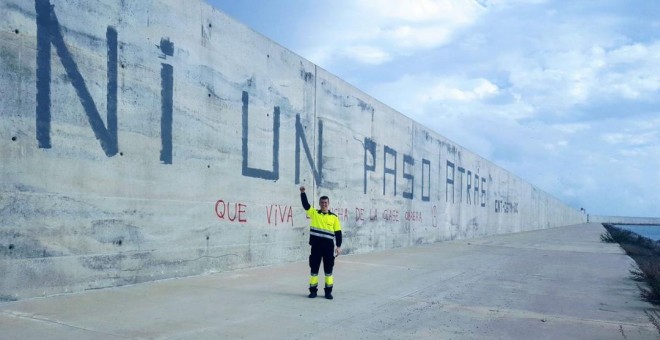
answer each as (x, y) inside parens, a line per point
(148, 140)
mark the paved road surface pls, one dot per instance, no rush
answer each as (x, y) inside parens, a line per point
(560, 283)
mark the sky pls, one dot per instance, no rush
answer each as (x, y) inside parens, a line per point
(564, 94)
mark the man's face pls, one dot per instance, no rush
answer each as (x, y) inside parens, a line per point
(324, 203)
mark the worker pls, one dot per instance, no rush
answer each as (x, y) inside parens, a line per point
(324, 232)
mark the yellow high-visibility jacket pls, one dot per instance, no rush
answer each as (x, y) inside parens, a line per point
(323, 225)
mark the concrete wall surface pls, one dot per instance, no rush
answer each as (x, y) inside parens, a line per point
(144, 140)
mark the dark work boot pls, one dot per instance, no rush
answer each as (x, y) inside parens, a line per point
(328, 293)
(312, 292)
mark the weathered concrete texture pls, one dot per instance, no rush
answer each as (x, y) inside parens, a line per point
(560, 283)
(143, 140)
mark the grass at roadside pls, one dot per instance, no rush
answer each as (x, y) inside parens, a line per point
(646, 253)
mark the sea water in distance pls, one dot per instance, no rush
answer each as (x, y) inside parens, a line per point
(649, 231)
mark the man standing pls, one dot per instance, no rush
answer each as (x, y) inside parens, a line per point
(324, 230)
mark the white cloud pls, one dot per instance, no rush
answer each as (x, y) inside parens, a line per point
(632, 71)
(572, 128)
(408, 37)
(631, 139)
(367, 54)
(561, 80)
(425, 89)
(555, 145)
(450, 11)
(400, 27)
(470, 90)
(630, 54)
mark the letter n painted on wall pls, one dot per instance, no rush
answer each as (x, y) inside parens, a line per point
(49, 32)
(300, 138)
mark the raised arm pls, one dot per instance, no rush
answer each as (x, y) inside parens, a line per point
(303, 199)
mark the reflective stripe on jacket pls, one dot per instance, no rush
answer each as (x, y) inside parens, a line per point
(323, 225)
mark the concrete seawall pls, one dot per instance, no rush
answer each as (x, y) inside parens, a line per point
(151, 140)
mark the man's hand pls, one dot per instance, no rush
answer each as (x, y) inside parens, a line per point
(337, 251)
(302, 189)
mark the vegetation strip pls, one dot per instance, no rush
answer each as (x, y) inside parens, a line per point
(646, 253)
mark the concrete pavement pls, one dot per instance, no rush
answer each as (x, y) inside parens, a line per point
(560, 283)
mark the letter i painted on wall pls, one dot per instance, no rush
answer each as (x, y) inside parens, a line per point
(167, 103)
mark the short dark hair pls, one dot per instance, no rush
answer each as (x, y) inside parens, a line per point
(324, 198)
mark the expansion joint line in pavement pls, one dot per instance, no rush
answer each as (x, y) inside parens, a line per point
(32, 317)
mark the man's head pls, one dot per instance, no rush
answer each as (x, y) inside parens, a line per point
(324, 203)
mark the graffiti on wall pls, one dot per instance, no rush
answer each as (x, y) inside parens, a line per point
(506, 207)
(278, 214)
(461, 184)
